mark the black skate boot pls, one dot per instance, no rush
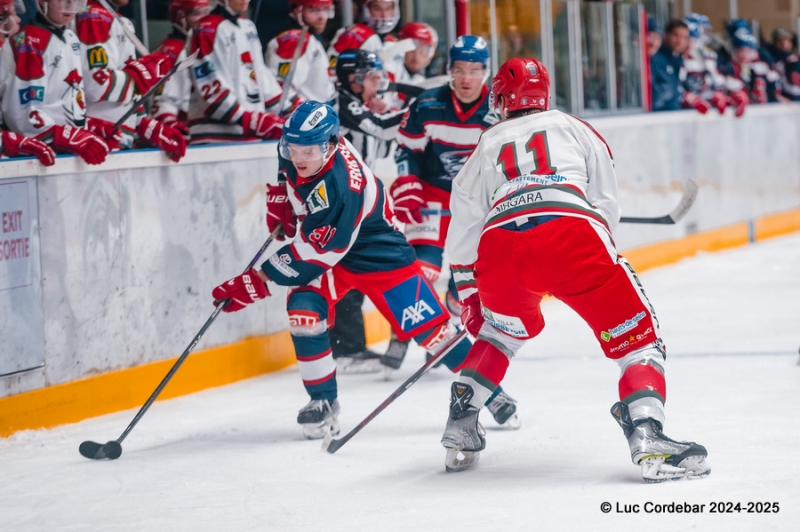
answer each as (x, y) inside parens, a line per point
(366, 361)
(661, 458)
(318, 418)
(463, 434)
(395, 354)
(504, 410)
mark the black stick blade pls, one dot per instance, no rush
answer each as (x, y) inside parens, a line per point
(98, 451)
(331, 445)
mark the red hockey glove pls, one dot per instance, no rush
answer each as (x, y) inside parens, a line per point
(406, 194)
(165, 138)
(262, 125)
(173, 122)
(719, 100)
(279, 210)
(105, 130)
(740, 100)
(471, 314)
(15, 145)
(146, 71)
(692, 100)
(242, 290)
(89, 146)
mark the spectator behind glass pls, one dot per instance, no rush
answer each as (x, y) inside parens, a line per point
(666, 65)
(655, 36)
(781, 47)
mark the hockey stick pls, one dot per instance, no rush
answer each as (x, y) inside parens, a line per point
(113, 449)
(687, 200)
(331, 445)
(287, 82)
(140, 47)
(177, 67)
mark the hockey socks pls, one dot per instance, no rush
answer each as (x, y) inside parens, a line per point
(484, 368)
(642, 386)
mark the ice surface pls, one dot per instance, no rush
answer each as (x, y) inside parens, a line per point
(233, 459)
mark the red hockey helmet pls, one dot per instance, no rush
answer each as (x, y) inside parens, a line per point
(9, 16)
(523, 83)
(179, 9)
(420, 32)
(294, 4)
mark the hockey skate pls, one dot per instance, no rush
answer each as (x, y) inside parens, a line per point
(394, 356)
(504, 410)
(319, 418)
(661, 458)
(463, 436)
(366, 361)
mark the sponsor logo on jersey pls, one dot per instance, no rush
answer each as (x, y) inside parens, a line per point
(318, 199)
(413, 303)
(281, 263)
(283, 69)
(76, 47)
(204, 69)
(312, 121)
(623, 327)
(34, 93)
(510, 325)
(97, 56)
(453, 161)
(631, 341)
(19, 38)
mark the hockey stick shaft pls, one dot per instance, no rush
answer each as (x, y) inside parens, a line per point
(334, 445)
(687, 200)
(192, 344)
(287, 83)
(140, 47)
(179, 65)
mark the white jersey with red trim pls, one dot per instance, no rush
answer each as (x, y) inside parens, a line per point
(312, 80)
(172, 99)
(225, 78)
(270, 86)
(542, 164)
(43, 80)
(104, 50)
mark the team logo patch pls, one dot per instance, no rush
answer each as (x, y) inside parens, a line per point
(203, 70)
(283, 69)
(510, 325)
(413, 303)
(318, 200)
(97, 56)
(623, 327)
(34, 93)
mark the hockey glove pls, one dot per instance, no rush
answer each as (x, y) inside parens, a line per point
(407, 197)
(15, 145)
(146, 71)
(279, 210)
(242, 290)
(165, 138)
(690, 99)
(719, 100)
(89, 146)
(174, 122)
(105, 130)
(740, 100)
(262, 125)
(471, 314)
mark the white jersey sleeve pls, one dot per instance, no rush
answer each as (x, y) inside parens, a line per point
(173, 97)
(311, 79)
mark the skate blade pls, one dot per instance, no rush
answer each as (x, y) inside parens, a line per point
(388, 373)
(454, 464)
(512, 423)
(654, 469)
(316, 431)
(351, 367)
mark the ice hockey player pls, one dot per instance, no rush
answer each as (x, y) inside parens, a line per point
(228, 103)
(416, 61)
(704, 85)
(311, 79)
(44, 94)
(760, 82)
(439, 132)
(542, 183)
(341, 221)
(171, 102)
(312, 13)
(113, 77)
(13, 144)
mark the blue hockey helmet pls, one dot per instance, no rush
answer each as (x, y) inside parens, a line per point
(311, 124)
(697, 25)
(742, 34)
(471, 49)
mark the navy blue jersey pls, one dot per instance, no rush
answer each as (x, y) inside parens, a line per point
(665, 82)
(438, 135)
(343, 217)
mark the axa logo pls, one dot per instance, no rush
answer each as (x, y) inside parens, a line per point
(416, 313)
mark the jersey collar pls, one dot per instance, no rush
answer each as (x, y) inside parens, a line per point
(460, 113)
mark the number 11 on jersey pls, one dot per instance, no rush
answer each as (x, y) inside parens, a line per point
(536, 145)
